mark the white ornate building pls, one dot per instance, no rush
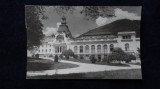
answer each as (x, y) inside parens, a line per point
(99, 44)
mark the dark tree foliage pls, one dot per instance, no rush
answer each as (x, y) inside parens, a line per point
(33, 25)
(118, 55)
(68, 53)
(91, 12)
(92, 59)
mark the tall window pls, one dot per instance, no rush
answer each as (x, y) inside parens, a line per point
(46, 50)
(105, 48)
(87, 49)
(111, 47)
(42, 50)
(126, 47)
(75, 49)
(92, 49)
(81, 49)
(99, 48)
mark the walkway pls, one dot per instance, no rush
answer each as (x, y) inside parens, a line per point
(83, 68)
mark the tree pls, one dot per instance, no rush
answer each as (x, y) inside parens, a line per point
(68, 53)
(33, 15)
(118, 55)
(91, 12)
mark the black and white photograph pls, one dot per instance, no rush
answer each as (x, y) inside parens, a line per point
(83, 42)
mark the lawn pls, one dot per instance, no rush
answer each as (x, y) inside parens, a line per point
(99, 63)
(44, 64)
(115, 74)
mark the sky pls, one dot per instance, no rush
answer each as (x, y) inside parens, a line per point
(78, 24)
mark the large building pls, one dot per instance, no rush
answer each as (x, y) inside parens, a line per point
(97, 43)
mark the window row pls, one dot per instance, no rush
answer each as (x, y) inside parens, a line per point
(46, 46)
(126, 37)
(45, 50)
(86, 48)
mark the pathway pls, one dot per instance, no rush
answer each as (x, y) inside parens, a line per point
(83, 68)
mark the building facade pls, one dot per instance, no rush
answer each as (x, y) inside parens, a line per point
(99, 44)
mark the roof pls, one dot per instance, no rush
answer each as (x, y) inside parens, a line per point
(115, 27)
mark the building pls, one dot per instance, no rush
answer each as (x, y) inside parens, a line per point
(99, 44)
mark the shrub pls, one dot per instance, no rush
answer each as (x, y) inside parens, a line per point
(56, 58)
(50, 55)
(37, 55)
(118, 55)
(67, 57)
(75, 56)
(68, 53)
(60, 56)
(81, 57)
(130, 57)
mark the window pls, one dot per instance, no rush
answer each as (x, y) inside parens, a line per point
(46, 50)
(75, 49)
(126, 47)
(87, 49)
(39, 51)
(50, 50)
(42, 50)
(111, 47)
(99, 48)
(81, 49)
(92, 49)
(126, 37)
(105, 48)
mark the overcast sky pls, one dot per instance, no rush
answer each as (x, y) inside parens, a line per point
(78, 24)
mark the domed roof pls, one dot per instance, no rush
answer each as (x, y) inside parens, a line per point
(64, 28)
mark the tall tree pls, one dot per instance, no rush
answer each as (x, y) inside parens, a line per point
(33, 15)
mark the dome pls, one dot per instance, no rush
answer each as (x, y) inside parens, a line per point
(63, 28)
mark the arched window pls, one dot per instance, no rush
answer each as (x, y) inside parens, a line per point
(87, 49)
(75, 49)
(92, 49)
(126, 47)
(42, 50)
(81, 49)
(105, 48)
(46, 50)
(111, 47)
(99, 48)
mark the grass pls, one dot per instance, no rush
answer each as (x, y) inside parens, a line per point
(44, 64)
(115, 74)
(99, 63)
